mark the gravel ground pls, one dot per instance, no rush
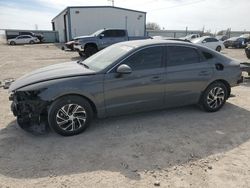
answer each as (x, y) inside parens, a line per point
(181, 147)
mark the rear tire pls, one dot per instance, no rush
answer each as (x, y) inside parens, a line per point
(70, 115)
(214, 97)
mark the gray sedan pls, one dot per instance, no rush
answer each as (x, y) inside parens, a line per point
(124, 78)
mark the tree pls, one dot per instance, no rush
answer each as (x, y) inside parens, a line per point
(220, 32)
(153, 26)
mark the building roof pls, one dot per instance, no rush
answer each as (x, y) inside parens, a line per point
(98, 7)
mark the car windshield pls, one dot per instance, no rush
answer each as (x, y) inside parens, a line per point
(240, 39)
(106, 57)
(97, 32)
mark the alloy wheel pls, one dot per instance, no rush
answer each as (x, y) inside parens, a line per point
(71, 117)
(216, 97)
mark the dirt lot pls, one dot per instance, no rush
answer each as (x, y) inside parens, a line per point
(182, 147)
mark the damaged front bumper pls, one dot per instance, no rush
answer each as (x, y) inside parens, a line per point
(30, 110)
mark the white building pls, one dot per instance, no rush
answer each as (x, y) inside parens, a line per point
(85, 20)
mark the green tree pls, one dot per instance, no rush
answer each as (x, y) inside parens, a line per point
(153, 26)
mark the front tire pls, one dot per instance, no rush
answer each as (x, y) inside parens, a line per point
(214, 97)
(218, 49)
(81, 54)
(32, 42)
(70, 115)
(90, 50)
(12, 43)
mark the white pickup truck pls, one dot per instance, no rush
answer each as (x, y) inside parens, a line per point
(88, 45)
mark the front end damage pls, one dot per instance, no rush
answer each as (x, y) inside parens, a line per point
(30, 110)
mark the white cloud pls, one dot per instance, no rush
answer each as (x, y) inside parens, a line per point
(16, 18)
(171, 14)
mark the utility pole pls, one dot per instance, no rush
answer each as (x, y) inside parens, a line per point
(113, 2)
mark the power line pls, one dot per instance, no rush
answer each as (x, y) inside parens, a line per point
(147, 2)
(181, 5)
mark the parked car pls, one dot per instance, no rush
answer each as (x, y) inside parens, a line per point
(246, 35)
(23, 39)
(236, 42)
(245, 67)
(221, 37)
(37, 35)
(190, 37)
(169, 38)
(210, 42)
(247, 50)
(89, 45)
(127, 77)
(16, 34)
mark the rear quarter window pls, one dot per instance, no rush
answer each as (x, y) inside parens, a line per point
(207, 55)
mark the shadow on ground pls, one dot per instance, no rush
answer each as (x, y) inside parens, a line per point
(125, 144)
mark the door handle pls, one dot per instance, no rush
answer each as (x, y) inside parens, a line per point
(204, 73)
(156, 78)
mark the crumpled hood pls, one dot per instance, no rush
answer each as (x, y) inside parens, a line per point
(80, 37)
(57, 71)
(86, 38)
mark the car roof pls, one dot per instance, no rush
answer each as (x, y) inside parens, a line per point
(135, 44)
(148, 42)
(24, 35)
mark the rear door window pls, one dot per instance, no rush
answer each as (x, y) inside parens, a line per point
(181, 55)
(119, 33)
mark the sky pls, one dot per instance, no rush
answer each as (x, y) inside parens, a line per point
(214, 15)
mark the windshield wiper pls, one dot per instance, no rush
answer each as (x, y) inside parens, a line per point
(81, 63)
(86, 66)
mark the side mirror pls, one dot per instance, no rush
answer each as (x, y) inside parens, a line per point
(204, 41)
(101, 36)
(124, 69)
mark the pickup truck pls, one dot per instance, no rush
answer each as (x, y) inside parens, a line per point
(190, 37)
(89, 45)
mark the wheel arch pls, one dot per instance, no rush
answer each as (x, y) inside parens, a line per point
(90, 44)
(225, 83)
(92, 104)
